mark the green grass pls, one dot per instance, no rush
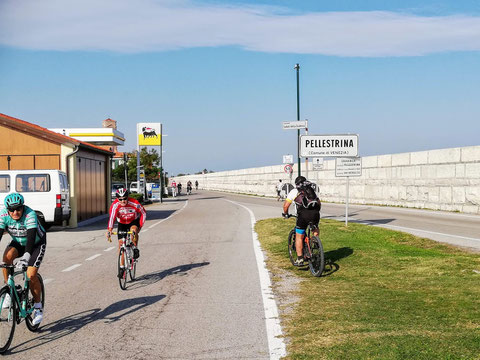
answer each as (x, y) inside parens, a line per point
(387, 295)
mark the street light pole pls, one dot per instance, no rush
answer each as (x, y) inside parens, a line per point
(297, 67)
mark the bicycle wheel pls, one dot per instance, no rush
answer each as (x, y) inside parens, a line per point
(8, 320)
(317, 262)
(122, 273)
(31, 303)
(132, 269)
(292, 252)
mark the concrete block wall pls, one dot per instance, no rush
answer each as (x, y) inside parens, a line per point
(444, 179)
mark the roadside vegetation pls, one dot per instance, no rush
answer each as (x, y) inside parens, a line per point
(386, 295)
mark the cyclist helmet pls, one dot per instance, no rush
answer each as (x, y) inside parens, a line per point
(121, 193)
(14, 200)
(299, 181)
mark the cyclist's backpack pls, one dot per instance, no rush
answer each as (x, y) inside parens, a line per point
(307, 196)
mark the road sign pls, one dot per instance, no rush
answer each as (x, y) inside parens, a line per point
(348, 167)
(317, 164)
(329, 145)
(294, 125)
(288, 159)
(288, 168)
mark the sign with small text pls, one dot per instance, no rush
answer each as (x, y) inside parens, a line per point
(348, 167)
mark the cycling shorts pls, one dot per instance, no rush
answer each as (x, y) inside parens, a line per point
(37, 254)
(123, 228)
(306, 216)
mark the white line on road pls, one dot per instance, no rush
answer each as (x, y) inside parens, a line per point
(71, 267)
(110, 248)
(46, 281)
(407, 229)
(274, 330)
(93, 257)
(172, 215)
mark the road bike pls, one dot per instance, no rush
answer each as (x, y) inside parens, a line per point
(21, 305)
(312, 249)
(125, 257)
(189, 190)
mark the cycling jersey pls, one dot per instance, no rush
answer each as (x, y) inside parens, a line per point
(126, 214)
(304, 215)
(18, 228)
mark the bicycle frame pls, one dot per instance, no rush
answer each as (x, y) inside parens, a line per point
(23, 312)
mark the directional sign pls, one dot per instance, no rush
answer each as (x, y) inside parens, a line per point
(290, 125)
(288, 159)
(329, 145)
(348, 167)
(317, 164)
(288, 168)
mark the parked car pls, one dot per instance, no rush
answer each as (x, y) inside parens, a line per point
(45, 191)
(115, 187)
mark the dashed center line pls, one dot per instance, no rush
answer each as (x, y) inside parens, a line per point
(71, 267)
(46, 281)
(110, 248)
(93, 257)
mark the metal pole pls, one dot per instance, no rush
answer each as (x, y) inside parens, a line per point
(306, 159)
(346, 202)
(161, 163)
(297, 67)
(125, 161)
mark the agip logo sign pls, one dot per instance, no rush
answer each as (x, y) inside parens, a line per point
(149, 134)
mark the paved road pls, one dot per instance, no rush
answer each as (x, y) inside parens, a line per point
(198, 290)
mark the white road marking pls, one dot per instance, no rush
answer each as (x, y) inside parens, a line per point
(172, 215)
(47, 281)
(407, 229)
(71, 267)
(110, 248)
(93, 257)
(276, 345)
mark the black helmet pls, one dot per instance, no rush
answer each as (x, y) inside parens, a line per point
(300, 180)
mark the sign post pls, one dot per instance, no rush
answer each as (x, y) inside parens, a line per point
(346, 167)
(329, 145)
(148, 134)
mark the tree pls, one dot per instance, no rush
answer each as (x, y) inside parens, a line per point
(150, 161)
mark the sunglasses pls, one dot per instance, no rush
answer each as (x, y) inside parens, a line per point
(122, 199)
(15, 208)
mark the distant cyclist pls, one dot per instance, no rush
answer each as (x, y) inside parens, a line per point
(189, 187)
(179, 188)
(130, 215)
(278, 187)
(29, 241)
(308, 211)
(196, 184)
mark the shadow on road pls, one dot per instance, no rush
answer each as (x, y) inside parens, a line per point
(70, 324)
(152, 278)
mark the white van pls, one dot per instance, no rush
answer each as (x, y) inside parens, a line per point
(45, 191)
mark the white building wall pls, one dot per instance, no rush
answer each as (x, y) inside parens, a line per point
(445, 179)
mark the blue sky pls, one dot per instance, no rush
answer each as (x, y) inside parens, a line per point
(219, 75)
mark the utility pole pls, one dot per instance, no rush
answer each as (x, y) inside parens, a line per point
(297, 67)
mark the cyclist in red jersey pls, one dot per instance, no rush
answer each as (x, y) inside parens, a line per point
(130, 215)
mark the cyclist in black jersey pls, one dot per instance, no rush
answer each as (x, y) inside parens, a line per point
(308, 211)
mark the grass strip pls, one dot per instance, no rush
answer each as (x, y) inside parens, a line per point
(388, 295)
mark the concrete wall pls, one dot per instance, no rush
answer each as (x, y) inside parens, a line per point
(445, 179)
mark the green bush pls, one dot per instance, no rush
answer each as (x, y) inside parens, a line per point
(137, 196)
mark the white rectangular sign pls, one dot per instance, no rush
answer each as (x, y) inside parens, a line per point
(348, 167)
(329, 145)
(317, 164)
(288, 159)
(289, 125)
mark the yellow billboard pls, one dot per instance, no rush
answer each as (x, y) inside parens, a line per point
(149, 134)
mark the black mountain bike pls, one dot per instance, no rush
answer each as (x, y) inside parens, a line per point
(312, 250)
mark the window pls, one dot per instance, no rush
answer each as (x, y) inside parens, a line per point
(4, 183)
(63, 182)
(32, 183)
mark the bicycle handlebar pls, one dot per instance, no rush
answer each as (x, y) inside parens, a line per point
(13, 267)
(289, 216)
